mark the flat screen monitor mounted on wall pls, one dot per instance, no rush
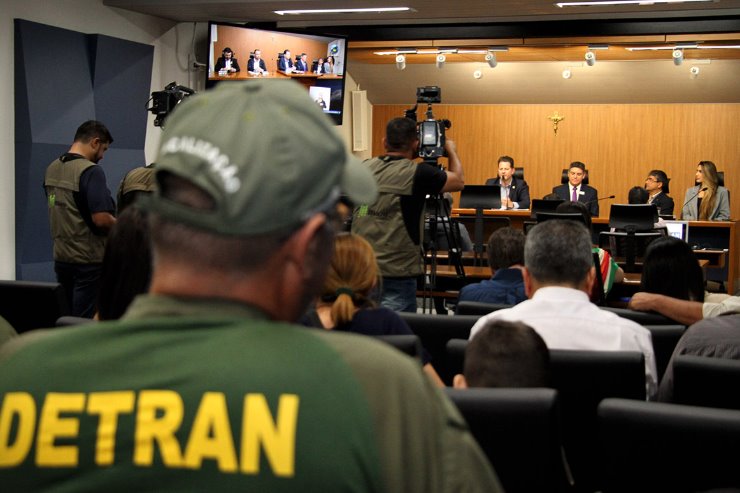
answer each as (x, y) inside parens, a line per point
(324, 81)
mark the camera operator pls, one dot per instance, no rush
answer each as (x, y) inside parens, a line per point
(394, 224)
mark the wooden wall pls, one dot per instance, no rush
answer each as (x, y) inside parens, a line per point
(618, 143)
(244, 41)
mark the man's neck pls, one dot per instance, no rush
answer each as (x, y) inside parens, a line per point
(653, 193)
(505, 183)
(406, 154)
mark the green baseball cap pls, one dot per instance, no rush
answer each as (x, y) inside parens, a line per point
(265, 153)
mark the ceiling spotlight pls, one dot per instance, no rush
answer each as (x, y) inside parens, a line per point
(441, 60)
(677, 57)
(694, 71)
(477, 74)
(567, 73)
(590, 58)
(400, 62)
(491, 59)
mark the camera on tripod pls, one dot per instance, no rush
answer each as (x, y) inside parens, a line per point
(163, 102)
(431, 131)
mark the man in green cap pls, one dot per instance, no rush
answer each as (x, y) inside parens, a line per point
(205, 384)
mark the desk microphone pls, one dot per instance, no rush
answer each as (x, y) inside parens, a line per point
(694, 196)
(599, 200)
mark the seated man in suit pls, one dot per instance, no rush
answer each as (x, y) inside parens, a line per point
(506, 259)
(227, 62)
(514, 192)
(285, 64)
(657, 186)
(256, 64)
(558, 278)
(301, 65)
(577, 191)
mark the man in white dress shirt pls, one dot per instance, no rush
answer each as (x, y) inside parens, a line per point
(558, 276)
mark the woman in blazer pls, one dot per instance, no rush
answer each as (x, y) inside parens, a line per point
(707, 201)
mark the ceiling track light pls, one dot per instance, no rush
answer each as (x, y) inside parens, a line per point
(400, 62)
(590, 57)
(567, 74)
(694, 72)
(677, 57)
(441, 60)
(491, 59)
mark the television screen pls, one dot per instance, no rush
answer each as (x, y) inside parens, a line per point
(238, 53)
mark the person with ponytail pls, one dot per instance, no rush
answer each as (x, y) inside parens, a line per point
(346, 302)
(707, 201)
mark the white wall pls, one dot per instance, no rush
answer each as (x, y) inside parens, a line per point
(171, 47)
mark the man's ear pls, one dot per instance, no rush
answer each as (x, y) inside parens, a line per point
(528, 287)
(590, 280)
(459, 381)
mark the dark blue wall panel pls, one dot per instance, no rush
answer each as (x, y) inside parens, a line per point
(64, 78)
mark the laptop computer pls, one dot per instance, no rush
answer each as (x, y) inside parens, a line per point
(480, 197)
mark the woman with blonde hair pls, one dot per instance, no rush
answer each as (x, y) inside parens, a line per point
(346, 301)
(707, 201)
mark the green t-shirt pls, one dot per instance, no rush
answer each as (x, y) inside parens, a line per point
(210, 395)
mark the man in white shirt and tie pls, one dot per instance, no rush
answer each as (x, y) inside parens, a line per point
(577, 191)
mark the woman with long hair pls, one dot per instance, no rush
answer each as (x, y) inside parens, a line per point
(346, 300)
(707, 201)
(671, 268)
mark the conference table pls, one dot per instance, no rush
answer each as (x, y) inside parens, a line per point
(716, 242)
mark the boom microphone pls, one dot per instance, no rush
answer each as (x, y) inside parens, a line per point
(694, 196)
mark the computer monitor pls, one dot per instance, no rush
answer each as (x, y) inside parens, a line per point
(678, 229)
(635, 217)
(480, 197)
(29, 305)
(542, 205)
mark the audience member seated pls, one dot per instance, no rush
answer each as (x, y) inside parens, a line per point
(227, 62)
(577, 191)
(505, 354)
(670, 268)
(506, 259)
(610, 271)
(639, 195)
(684, 311)
(152, 399)
(7, 331)
(656, 185)
(707, 201)
(558, 277)
(717, 337)
(127, 261)
(514, 191)
(552, 196)
(345, 303)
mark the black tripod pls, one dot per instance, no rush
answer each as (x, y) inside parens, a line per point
(438, 209)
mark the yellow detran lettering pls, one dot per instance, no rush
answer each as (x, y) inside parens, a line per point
(150, 428)
(19, 404)
(277, 439)
(108, 405)
(53, 426)
(211, 435)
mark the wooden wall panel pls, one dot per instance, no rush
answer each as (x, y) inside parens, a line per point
(618, 143)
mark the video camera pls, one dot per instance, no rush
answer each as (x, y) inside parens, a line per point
(163, 102)
(431, 131)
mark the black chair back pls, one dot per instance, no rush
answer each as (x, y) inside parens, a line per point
(408, 344)
(665, 338)
(478, 308)
(28, 305)
(650, 446)
(706, 381)
(519, 173)
(519, 431)
(434, 331)
(630, 247)
(583, 379)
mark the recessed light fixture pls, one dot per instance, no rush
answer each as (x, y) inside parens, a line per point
(376, 10)
(623, 2)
